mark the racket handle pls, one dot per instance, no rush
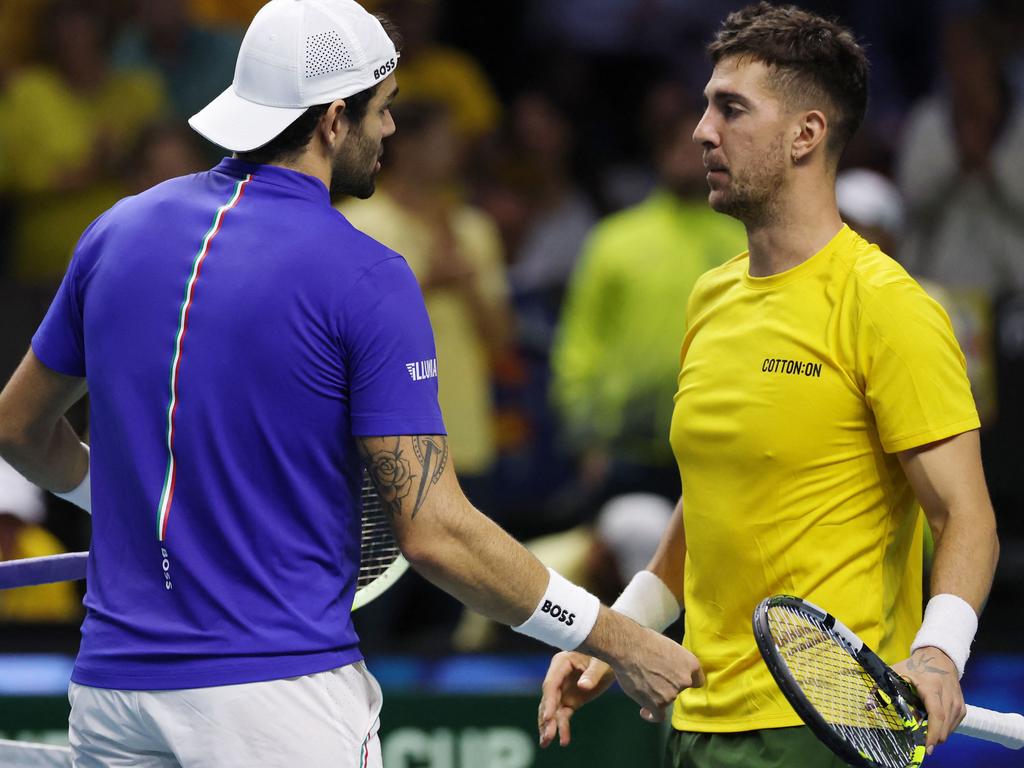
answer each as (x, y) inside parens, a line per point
(1006, 728)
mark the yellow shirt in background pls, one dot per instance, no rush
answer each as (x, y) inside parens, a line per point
(453, 78)
(48, 131)
(464, 370)
(224, 12)
(796, 392)
(616, 355)
(47, 602)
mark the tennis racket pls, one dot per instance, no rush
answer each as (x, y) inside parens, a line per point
(852, 701)
(380, 561)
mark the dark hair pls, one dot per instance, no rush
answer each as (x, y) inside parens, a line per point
(293, 139)
(810, 59)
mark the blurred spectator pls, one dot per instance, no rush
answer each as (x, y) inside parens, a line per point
(601, 557)
(18, 44)
(656, 26)
(626, 183)
(164, 151)
(455, 252)
(962, 171)
(225, 13)
(194, 60)
(543, 216)
(65, 128)
(873, 207)
(561, 214)
(616, 358)
(431, 71)
(21, 535)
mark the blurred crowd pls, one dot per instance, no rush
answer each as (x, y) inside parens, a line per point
(545, 190)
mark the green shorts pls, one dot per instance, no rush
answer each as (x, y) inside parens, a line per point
(768, 748)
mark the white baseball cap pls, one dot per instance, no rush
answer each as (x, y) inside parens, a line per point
(870, 199)
(632, 526)
(295, 54)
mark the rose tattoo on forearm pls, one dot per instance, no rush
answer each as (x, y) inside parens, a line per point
(392, 476)
(392, 473)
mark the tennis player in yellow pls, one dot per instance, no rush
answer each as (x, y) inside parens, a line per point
(797, 391)
(822, 403)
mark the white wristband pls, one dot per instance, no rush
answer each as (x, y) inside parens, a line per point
(80, 495)
(648, 602)
(949, 625)
(564, 616)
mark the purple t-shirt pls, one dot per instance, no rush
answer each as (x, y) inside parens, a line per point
(236, 333)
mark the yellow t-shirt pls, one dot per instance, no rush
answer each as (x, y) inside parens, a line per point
(795, 393)
(464, 369)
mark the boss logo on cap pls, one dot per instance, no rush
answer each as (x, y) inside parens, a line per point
(383, 69)
(558, 612)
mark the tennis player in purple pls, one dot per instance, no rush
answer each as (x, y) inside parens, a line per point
(247, 352)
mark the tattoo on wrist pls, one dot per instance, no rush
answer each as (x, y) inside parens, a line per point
(924, 664)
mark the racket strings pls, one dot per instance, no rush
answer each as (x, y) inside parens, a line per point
(839, 687)
(378, 548)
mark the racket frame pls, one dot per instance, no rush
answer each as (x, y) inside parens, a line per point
(35, 571)
(72, 566)
(381, 584)
(892, 689)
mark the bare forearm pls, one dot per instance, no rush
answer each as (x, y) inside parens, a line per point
(487, 570)
(444, 537)
(669, 561)
(55, 461)
(966, 552)
(949, 482)
(35, 438)
(463, 552)
(483, 567)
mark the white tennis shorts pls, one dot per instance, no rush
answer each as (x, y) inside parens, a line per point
(326, 719)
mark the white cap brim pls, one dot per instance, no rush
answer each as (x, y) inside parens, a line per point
(240, 125)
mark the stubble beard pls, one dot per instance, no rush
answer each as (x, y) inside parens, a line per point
(752, 197)
(353, 172)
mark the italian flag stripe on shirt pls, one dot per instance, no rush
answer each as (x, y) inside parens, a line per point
(167, 494)
(364, 753)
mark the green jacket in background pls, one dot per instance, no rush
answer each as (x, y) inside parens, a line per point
(616, 356)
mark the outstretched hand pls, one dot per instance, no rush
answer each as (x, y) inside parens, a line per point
(572, 680)
(652, 674)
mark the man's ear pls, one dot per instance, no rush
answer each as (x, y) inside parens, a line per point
(811, 131)
(334, 125)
